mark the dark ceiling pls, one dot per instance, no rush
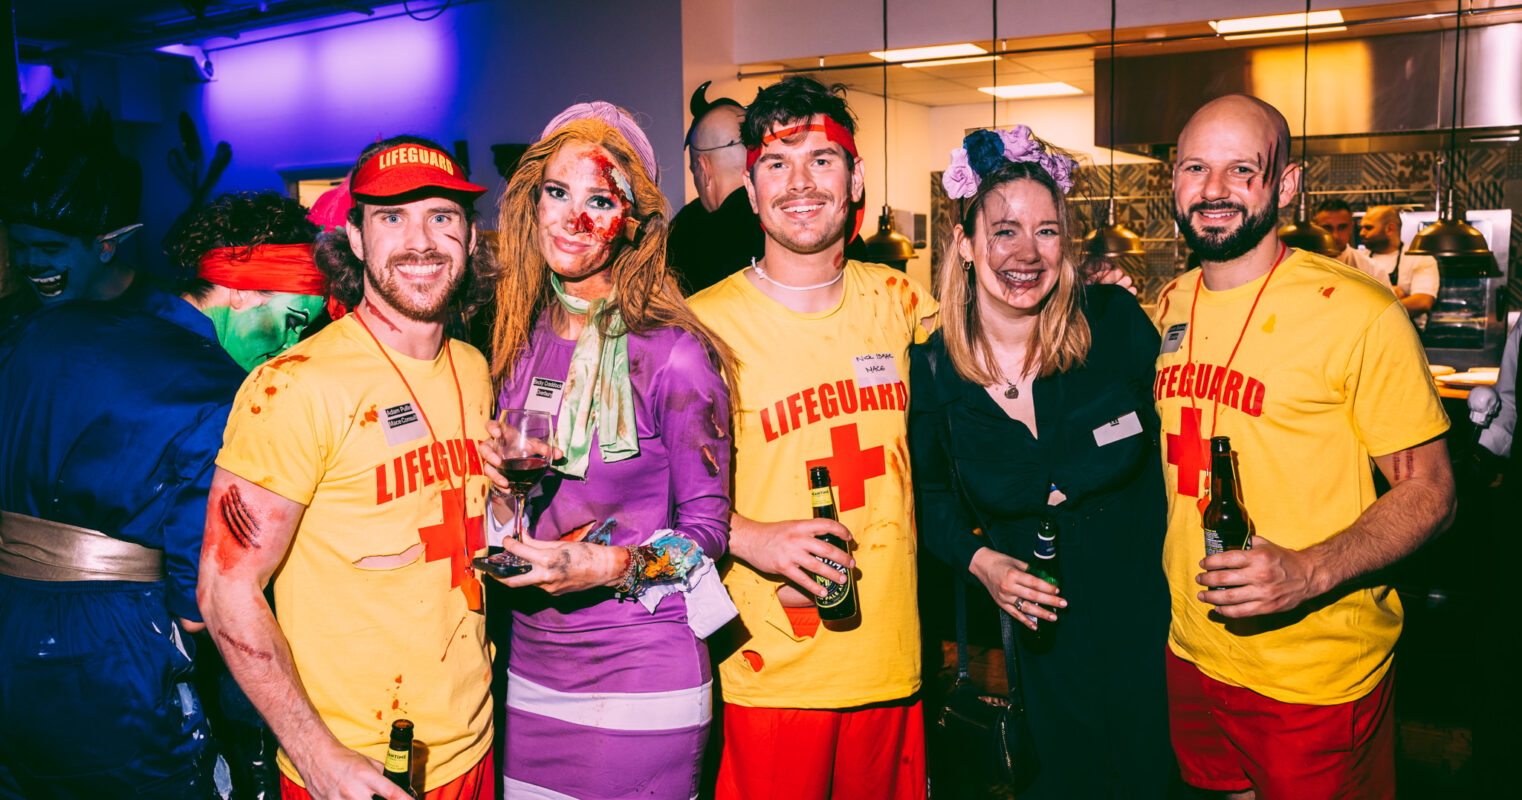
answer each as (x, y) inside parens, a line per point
(125, 26)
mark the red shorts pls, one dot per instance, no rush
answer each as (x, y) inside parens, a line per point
(480, 783)
(871, 753)
(1231, 739)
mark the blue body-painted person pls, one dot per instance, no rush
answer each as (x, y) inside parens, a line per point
(110, 420)
(69, 199)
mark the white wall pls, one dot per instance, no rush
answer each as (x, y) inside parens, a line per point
(1067, 122)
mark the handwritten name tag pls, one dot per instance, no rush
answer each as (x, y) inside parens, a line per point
(875, 370)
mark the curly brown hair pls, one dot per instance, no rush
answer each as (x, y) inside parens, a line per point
(346, 271)
(236, 219)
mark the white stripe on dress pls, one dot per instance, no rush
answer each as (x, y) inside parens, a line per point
(618, 711)
(518, 790)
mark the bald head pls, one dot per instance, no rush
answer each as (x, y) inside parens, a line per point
(1380, 229)
(1242, 117)
(1232, 176)
(716, 155)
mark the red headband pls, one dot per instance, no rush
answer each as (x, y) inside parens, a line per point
(833, 131)
(285, 268)
(407, 168)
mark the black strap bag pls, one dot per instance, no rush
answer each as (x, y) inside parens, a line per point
(981, 743)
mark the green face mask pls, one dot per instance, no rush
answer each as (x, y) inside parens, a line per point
(255, 335)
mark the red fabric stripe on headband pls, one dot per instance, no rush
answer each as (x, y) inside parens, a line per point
(285, 268)
(832, 130)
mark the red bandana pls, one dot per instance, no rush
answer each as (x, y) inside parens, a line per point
(285, 268)
(834, 132)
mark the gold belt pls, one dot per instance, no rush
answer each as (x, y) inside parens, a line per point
(43, 550)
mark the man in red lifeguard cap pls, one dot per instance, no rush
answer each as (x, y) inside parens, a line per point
(350, 477)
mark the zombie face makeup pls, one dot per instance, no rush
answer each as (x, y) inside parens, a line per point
(803, 187)
(1016, 249)
(583, 209)
(258, 333)
(414, 254)
(57, 266)
(1228, 184)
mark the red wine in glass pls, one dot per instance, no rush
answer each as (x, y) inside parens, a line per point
(523, 473)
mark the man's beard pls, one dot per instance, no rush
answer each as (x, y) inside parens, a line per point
(1220, 248)
(431, 307)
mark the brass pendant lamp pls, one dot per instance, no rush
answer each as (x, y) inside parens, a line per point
(887, 246)
(1303, 234)
(1112, 240)
(1451, 237)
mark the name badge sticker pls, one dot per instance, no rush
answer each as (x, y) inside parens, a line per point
(402, 424)
(875, 370)
(544, 395)
(1117, 429)
(1174, 338)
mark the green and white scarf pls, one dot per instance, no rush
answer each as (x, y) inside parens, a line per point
(597, 391)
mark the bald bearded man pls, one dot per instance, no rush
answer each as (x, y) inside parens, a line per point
(1414, 279)
(1279, 656)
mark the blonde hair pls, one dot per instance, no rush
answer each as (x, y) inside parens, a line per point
(645, 292)
(1061, 340)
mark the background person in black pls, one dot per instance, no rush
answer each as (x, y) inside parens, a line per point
(719, 233)
(1041, 383)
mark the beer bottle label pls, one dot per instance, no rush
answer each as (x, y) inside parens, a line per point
(822, 497)
(1213, 543)
(836, 591)
(396, 760)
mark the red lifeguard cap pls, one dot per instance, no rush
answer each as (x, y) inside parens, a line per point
(406, 168)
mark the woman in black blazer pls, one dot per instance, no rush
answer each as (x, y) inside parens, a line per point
(1041, 397)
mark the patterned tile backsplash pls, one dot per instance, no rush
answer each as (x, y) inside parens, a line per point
(1144, 201)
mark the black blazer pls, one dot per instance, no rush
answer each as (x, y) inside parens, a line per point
(1115, 497)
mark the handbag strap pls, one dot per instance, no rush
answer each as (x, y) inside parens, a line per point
(1006, 624)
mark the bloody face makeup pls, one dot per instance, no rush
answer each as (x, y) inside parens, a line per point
(583, 206)
(803, 187)
(1226, 186)
(414, 255)
(1016, 248)
(56, 266)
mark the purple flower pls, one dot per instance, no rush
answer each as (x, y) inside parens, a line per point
(1060, 168)
(959, 179)
(1019, 145)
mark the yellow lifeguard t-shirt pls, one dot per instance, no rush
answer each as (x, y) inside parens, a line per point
(1329, 373)
(330, 425)
(825, 389)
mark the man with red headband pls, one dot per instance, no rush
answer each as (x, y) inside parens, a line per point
(350, 480)
(112, 415)
(818, 710)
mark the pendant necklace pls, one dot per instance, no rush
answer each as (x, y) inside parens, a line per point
(773, 281)
(1012, 392)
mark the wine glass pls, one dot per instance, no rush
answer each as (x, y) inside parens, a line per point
(526, 443)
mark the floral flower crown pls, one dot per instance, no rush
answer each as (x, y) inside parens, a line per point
(984, 151)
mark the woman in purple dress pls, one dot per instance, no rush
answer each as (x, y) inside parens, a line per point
(608, 681)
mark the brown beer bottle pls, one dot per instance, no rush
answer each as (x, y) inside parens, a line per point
(1227, 526)
(840, 600)
(398, 768)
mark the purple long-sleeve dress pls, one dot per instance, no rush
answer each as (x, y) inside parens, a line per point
(605, 699)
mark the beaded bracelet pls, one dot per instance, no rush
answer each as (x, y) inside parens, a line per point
(629, 584)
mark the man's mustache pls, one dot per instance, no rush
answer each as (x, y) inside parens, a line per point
(817, 197)
(1219, 205)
